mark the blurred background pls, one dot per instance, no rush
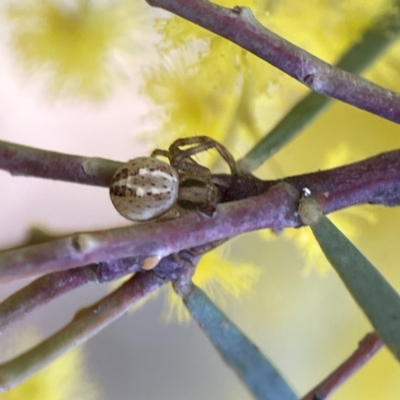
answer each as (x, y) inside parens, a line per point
(297, 311)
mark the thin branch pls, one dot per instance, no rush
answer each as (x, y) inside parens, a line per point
(291, 125)
(274, 209)
(368, 346)
(47, 288)
(375, 180)
(89, 321)
(86, 323)
(378, 300)
(239, 25)
(29, 161)
(237, 350)
(360, 56)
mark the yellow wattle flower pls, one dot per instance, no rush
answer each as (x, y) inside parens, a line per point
(75, 43)
(219, 278)
(63, 379)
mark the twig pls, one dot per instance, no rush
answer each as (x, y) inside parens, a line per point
(274, 209)
(47, 288)
(29, 161)
(273, 205)
(239, 25)
(237, 350)
(89, 321)
(85, 324)
(368, 346)
(374, 180)
(360, 56)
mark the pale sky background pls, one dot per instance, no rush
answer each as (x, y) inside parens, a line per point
(29, 117)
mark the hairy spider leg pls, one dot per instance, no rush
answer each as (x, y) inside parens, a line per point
(162, 153)
(189, 168)
(206, 195)
(202, 143)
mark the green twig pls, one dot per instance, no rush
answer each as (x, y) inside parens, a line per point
(258, 374)
(373, 43)
(239, 25)
(85, 324)
(47, 288)
(376, 297)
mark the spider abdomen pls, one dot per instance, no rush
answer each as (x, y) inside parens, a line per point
(144, 188)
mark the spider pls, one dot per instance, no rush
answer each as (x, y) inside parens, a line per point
(146, 188)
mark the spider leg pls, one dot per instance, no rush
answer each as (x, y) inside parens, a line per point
(196, 184)
(162, 153)
(201, 143)
(207, 193)
(195, 171)
(188, 141)
(170, 155)
(205, 248)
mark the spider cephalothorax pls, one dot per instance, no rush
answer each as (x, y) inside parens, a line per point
(146, 188)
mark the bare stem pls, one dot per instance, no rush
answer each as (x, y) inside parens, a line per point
(47, 288)
(239, 25)
(275, 209)
(263, 204)
(374, 180)
(368, 346)
(86, 323)
(29, 161)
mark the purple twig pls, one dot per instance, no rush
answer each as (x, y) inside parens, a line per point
(86, 323)
(41, 291)
(263, 204)
(274, 209)
(375, 180)
(239, 25)
(29, 161)
(368, 346)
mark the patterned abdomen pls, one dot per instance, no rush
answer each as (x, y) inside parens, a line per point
(144, 188)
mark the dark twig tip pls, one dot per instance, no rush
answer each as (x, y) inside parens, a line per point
(308, 79)
(237, 9)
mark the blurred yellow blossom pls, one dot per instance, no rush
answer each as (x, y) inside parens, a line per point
(347, 221)
(219, 278)
(194, 100)
(76, 42)
(179, 87)
(64, 379)
(204, 84)
(387, 67)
